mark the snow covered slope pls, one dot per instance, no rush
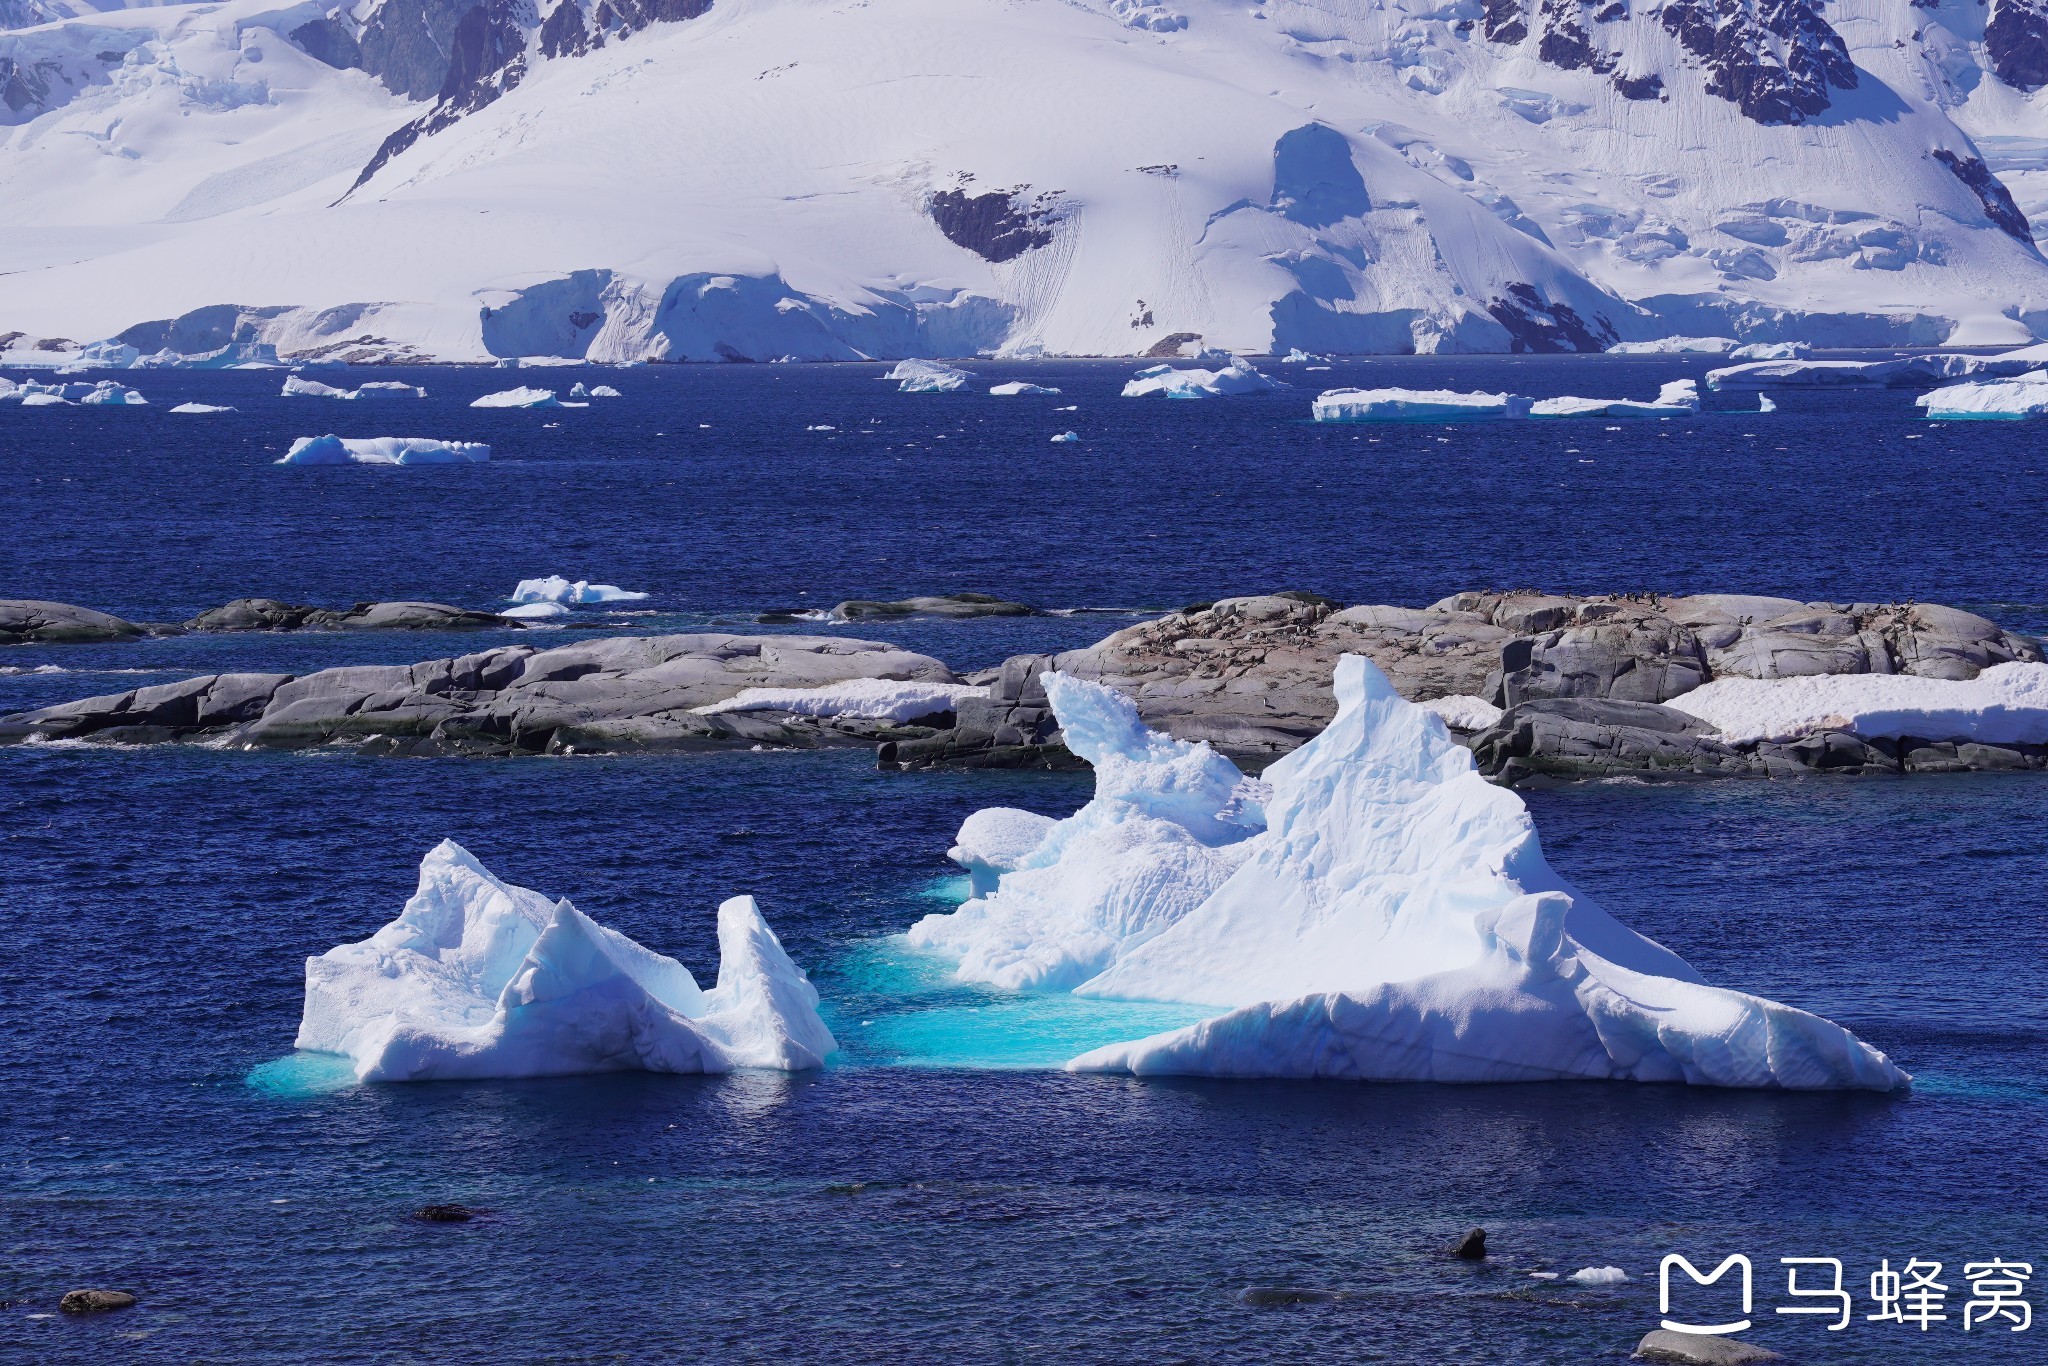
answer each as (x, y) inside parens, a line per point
(726, 179)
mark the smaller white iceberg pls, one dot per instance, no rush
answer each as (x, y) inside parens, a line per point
(518, 398)
(1018, 386)
(1297, 356)
(1675, 346)
(389, 388)
(203, 408)
(44, 400)
(383, 450)
(604, 391)
(555, 588)
(876, 699)
(1599, 1275)
(2024, 396)
(1415, 405)
(1766, 404)
(1679, 398)
(1164, 381)
(535, 611)
(1063, 437)
(109, 393)
(477, 978)
(1771, 351)
(2006, 704)
(928, 377)
(295, 387)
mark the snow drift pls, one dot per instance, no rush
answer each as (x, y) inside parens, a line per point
(2006, 704)
(1372, 910)
(478, 978)
(877, 699)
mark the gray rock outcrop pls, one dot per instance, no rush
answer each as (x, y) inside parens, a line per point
(26, 621)
(941, 605)
(1700, 1349)
(609, 695)
(268, 614)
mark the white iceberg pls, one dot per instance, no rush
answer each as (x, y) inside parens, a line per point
(1599, 1275)
(2006, 704)
(1373, 910)
(389, 388)
(44, 400)
(604, 391)
(1060, 439)
(1164, 381)
(115, 395)
(1674, 346)
(518, 398)
(1771, 351)
(535, 611)
(1679, 398)
(478, 978)
(555, 588)
(1297, 356)
(1766, 404)
(383, 450)
(1018, 386)
(1147, 849)
(928, 377)
(876, 699)
(202, 408)
(295, 387)
(996, 840)
(2024, 396)
(1900, 372)
(107, 355)
(1414, 405)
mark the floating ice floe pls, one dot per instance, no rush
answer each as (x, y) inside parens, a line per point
(1018, 386)
(383, 450)
(604, 391)
(1373, 910)
(1771, 351)
(877, 699)
(1297, 356)
(1147, 849)
(1415, 405)
(1902, 372)
(203, 408)
(115, 395)
(1063, 437)
(518, 398)
(555, 588)
(821, 427)
(389, 388)
(295, 387)
(2006, 704)
(1599, 1275)
(2024, 396)
(996, 840)
(1679, 398)
(1674, 346)
(1766, 404)
(1461, 712)
(928, 377)
(478, 978)
(535, 611)
(1164, 381)
(44, 400)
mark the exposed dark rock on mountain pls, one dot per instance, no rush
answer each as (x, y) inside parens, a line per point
(2016, 38)
(1776, 59)
(409, 44)
(486, 57)
(328, 40)
(1504, 21)
(1536, 324)
(1566, 42)
(1990, 191)
(992, 225)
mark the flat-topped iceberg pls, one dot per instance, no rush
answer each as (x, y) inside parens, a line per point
(203, 408)
(522, 397)
(296, 387)
(1903, 372)
(2024, 396)
(2006, 704)
(555, 588)
(1674, 346)
(1164, 381)
(477, 978)
(1771, 351)
(1017, 386)
(1372, 910)
(1145, 851)
(383, 450)
(1414, 405)
(876, 699)
(928, 377)
(1679, 398)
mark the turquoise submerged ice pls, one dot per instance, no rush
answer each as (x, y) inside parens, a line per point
(1394, 920)
(478, 978)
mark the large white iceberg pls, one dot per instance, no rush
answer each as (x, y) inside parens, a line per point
(2005, 704)
(116, 395)
(1394, 920)
(1679, 398)
(1164, 381)
(1016, 387)
(1674, 346)
(877, 699)
(2024, 396)
(1771, 351)
(1145, 851)
(928, 377)
(295, 387)
(518, 398)
(1414, 405)
(555, 588)
(478, 978)
(383, 450)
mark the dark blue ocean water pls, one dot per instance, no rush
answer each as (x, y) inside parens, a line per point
(933, 1195)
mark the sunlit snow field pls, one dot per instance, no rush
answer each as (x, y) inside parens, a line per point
(941, 1190)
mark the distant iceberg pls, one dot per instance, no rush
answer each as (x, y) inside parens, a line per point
(1674, 346)
(202, 408)
(295, 387)
(1018, 386)
(115, 395)
(298, 387)
(477, 978)
(518, 398)
(2006, 704)
(1679, 398)
(555, 588)
(1164, 381)
(1062, 438)
(535, 611)
(1415, 405)
(2024, 396)
(1771, 351)
(383, 450)
(876, 699)
(1372, 910)
(928, 377)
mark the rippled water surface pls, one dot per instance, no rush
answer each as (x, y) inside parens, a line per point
(941, 1192)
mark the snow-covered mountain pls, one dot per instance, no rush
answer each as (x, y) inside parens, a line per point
(707, 179)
